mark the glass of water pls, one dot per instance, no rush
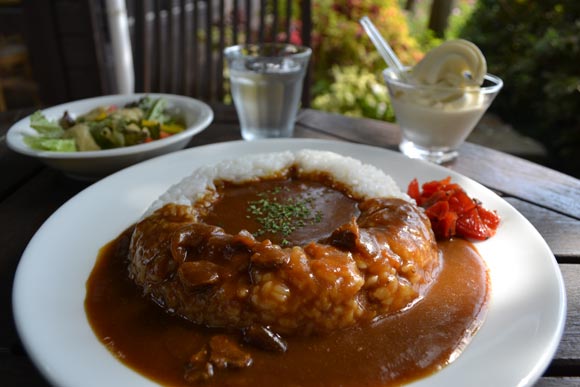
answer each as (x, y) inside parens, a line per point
(266, 85)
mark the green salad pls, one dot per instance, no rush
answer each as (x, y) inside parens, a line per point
(106, 127)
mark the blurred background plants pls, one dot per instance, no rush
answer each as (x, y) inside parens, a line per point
(343, 52)
(357, 92)
(534, 46)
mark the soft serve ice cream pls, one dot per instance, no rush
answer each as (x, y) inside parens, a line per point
(439, 101)
(456, 63)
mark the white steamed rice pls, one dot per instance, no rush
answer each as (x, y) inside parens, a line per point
(363, 180)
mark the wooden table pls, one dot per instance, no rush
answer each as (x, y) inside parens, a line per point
(30, 193)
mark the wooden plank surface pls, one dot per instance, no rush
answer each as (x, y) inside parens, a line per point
(558, 382)
(21, 214)
(30, 193)
(19, 370)
(15, 168)
(567, 353)
(559, 231)
(25, 211)
(535, 183)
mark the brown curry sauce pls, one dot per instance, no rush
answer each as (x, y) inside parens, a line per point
(312, 197)
(391, 351)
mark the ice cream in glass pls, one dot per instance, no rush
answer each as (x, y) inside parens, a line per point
(439, 101)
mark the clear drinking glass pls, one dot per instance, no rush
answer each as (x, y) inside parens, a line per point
(266, 85)
(436, 120)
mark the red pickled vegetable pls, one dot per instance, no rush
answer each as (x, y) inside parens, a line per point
(488, 217)
(452, 212)
(471, 226)
(413, 190)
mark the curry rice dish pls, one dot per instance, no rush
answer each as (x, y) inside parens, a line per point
(293, 268)
(363, 250)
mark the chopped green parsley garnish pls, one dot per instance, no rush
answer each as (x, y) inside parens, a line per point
(282, 216)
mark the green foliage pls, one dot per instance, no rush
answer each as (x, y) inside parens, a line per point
(427, 39)
(534, 46)
(460, 15)
(339, 40)
(418, 21)
(355, 91)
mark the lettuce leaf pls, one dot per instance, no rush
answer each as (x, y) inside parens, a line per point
(45, 127)
(51, 144)
(155, 113)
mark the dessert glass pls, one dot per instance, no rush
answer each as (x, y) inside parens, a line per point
(436, 120)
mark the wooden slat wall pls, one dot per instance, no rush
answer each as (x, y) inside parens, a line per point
(178, 44)
(207, 69)
(65, 40)
(222, 45)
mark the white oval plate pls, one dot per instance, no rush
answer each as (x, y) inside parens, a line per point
(93, 165)
(514, 346)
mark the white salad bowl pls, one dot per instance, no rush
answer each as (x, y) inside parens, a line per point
(92, 165)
